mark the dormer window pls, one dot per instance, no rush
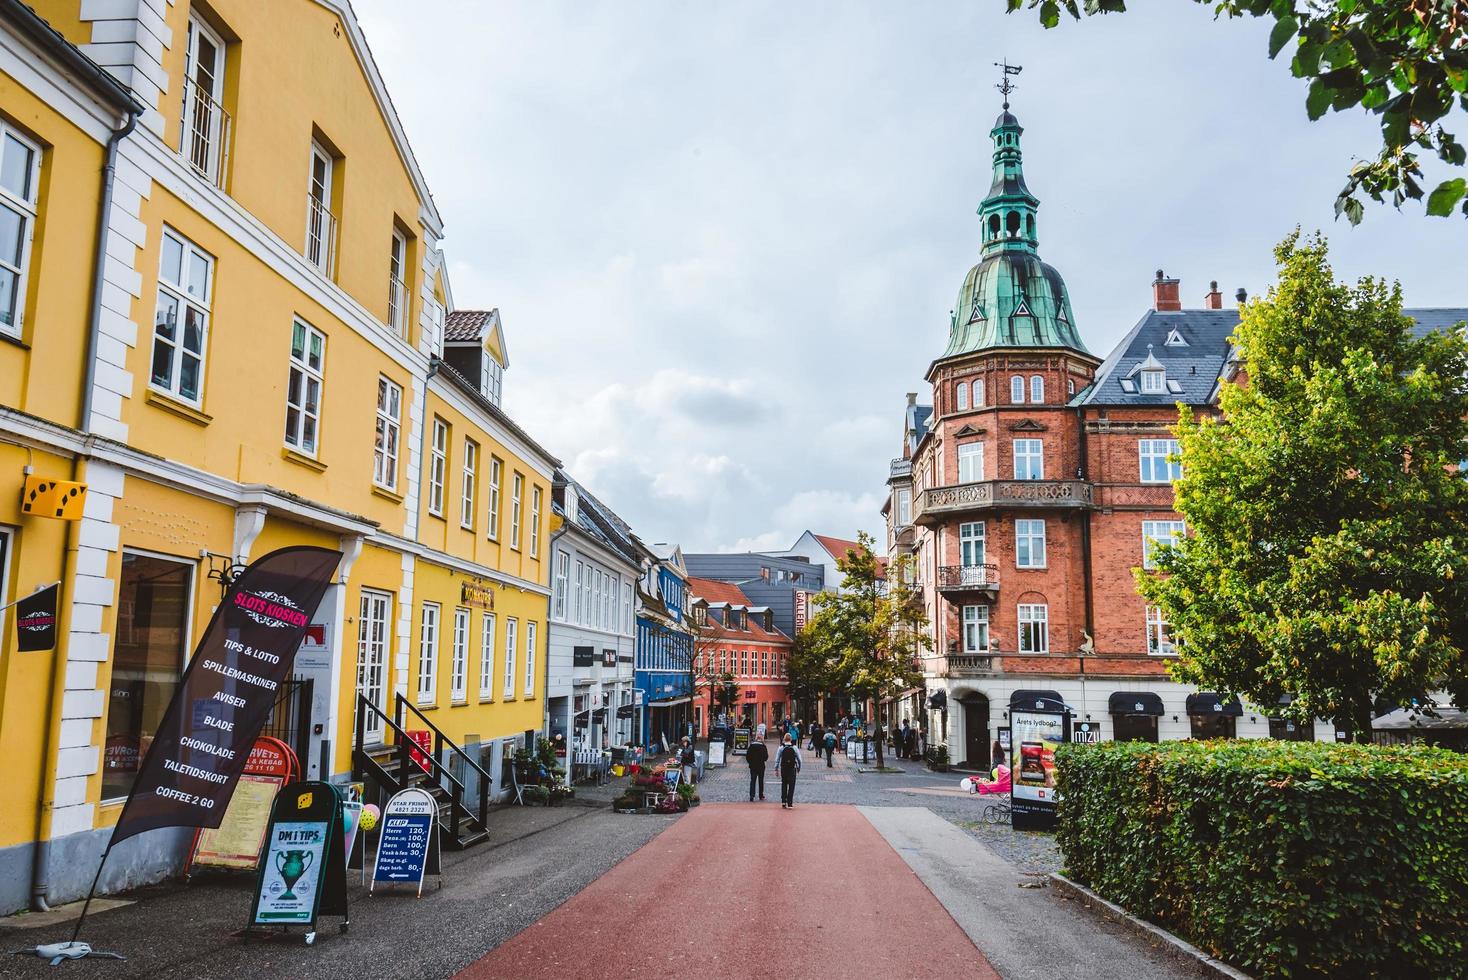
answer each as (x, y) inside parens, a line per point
(1174, 339)
(1154, 382)
(491, 377)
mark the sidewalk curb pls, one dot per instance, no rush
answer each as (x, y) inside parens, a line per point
(1179, 948)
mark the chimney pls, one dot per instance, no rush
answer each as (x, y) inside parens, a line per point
(1165, 294)
(1242, 295)
(912, 399)
(1214, 299)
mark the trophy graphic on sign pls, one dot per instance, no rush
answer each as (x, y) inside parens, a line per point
(291, 865)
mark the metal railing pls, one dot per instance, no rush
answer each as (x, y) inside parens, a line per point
(970, 663)
(936, 501)
(442, 741)
(204, 134)
(397, 306)
(321, 227)
(959, 577)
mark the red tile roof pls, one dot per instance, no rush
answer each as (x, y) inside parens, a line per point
(838, 547)
(462, 325)
(707, 588)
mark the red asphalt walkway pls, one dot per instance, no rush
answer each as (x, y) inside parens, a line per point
(744, 890)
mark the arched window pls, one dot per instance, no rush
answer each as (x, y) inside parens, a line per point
(979, 393)
(1029, 226)
(1016, 390)
(1037, 389)
(961, 394)
(1011, 223)
(993, 226)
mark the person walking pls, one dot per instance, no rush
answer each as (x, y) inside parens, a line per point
(787, 759)
(815, 737)
(830, 744)
(687, 758)
(757, 755)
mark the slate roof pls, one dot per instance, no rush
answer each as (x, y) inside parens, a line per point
(1196, 364)
(597, 520)
(466, 325)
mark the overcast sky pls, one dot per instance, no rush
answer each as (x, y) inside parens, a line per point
(725, 237)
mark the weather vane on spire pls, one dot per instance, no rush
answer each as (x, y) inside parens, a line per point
(1005, 86)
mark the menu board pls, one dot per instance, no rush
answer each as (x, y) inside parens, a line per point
(716, 753)
(741, 741)
(237, 842)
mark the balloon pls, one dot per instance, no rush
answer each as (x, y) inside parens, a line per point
(370, 813)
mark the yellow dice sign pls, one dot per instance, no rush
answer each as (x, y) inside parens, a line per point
(60, 499)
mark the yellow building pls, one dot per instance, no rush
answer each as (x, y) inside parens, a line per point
(266, 355)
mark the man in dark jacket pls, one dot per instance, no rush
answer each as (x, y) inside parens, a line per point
(757, 755)
(830, 747)
(787, 758)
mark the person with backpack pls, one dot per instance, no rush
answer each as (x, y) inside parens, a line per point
(687, 758)
(756, 756)
(830, 746)
(787, 759)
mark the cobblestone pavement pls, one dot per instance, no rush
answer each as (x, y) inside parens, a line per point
(915, 785)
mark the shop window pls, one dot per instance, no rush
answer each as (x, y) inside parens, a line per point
(154, 601)
(1213, 726)
(1134, 728)
(1291, 731)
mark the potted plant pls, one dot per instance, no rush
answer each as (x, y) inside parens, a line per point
(938, 758)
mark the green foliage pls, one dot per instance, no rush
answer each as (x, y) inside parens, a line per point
(1405, 62)
(1328, 519)
(726, 693)
(1296, 859)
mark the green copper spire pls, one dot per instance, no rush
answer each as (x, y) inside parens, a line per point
(1011, 298)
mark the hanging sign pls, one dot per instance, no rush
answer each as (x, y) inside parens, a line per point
(303, 872)
(227, 691)
(236, 843)
(35, 621)
(60, 499)
(1035, 736)
(408, 847)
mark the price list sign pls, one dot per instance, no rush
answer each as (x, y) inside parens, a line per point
(408, 849)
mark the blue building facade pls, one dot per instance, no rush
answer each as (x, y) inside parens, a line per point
(664, 648)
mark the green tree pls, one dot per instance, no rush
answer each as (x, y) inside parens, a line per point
(871, 631)
(726, 694)
(1404, 60)
(811, 672)
(1328, 510)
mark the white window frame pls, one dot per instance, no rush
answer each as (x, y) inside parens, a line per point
(216, 136)
(1159, 642)
(627, 608)
(27, 206)
(1037, 389)
(517, 495)
(296, 437)
(535, 499)
(1037, 615)
(491, 377)
(1156, 533)
(976, 629)
(373, 644)
(397, 288)
(563, 576)
(961, 396)
(486, 657)
(7, 544)
(1016, 390)
(1033, 452)
(459, 671)
(512, 637)
(970, 462)
(1030, 532)
(320, 221)
(388, 435)
(1152, 456)
(469, 490)
(429, 617)
(904, 507)
(972, 544)
(977, 386)
(496, 470)
(576, 597)
(1154, 382)
(184, 300)
(530, 652)
(438, 463)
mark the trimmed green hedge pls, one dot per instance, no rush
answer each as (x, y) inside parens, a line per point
(1290, 859)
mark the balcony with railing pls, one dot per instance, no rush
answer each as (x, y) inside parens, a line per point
(204, 134)
(968, 578)
(321, 227)
(982, 663)
(935, 504)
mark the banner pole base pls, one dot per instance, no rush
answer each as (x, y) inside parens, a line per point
(58, 953)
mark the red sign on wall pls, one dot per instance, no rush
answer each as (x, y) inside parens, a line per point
(749, 695)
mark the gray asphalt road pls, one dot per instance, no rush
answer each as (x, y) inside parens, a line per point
(538, 858)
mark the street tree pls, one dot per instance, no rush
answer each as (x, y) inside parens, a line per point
(1407, 62)
(811, 671)
(1327, 510)
(871, 631)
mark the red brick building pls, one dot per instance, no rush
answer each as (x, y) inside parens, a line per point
(1035, 482)
(735, 636)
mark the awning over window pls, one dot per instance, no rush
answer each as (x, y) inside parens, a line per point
(1208, 703)
(624, 710)
(668, 703)
(1037, 701)
(1134, 703)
